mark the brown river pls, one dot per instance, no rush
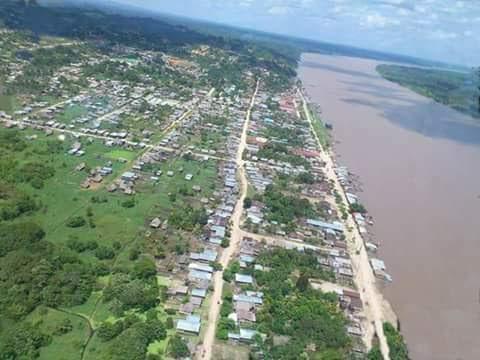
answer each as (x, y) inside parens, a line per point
(419, 165)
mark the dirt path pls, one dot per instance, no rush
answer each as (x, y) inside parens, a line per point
(327, 286)
(235, 238)
(363, 274)
(282, 242)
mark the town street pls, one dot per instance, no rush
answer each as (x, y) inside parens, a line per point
(235, 239)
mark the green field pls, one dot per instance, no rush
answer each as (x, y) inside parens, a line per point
(63, 346)
(119, 154)
(320, 129)
(8, 103)
(61, 198)
(71, 113)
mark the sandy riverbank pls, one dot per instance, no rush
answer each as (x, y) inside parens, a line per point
(419, 165)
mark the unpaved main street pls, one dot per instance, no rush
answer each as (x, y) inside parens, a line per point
(235, 238)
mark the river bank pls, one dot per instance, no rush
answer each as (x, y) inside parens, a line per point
(419, 181)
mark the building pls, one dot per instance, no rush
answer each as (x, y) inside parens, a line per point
(129, 176)
(206, 256)
(243, 279)
(155, 223)
(190, 325)
(200, 293)
(201, 267)
(336, 226)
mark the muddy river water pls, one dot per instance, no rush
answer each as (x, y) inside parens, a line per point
(419, 164)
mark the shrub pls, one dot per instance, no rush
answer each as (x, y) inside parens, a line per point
(76, 221)
(104, 253)
(130, 203)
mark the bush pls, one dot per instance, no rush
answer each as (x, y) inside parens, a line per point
(396, 344)
(104, 253)
(101, 269)
(357, 207)
(107, 331)
(170, 311)
(64, 327)
(130, 203)
(133, 254)
(177, 347)
(145, 268)
(76, 221)
(76, 245)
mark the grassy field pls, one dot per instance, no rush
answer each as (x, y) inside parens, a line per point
(62, 198)
(320, 129)
(71, 113)
(8, 103)
(119, 154)
(65, 346)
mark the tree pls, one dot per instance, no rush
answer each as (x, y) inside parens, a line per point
(145, 268)
(396, 343)
(375, 353)
(247, 203)
(302, 283)
(357, 207)
(107, 330)
(104, 253)
(178, 348)
(23, 341)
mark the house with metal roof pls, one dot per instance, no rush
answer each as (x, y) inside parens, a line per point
(201, 293)
(243, 279)
(201, 275)
(191, 324)
(251, 299)
(247, 259)
(200, 267)
(207, 255)
(245, 335)
(337, 226)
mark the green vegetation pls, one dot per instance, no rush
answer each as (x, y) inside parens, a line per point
(455, 89)
(305, 178)
(319, 128)
(297, 312)
(52, 258)
(290, 135)
(398, 348)
(357, 207)
(119, 154)
(177, 347)
(286, 209)
(280, 152)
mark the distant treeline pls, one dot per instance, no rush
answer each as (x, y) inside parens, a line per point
(458, 90)
(106, 29)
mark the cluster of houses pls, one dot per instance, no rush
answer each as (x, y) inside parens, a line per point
(362, 222)
(194, 273)
(189, 294)
(245, 302)
(95, 175)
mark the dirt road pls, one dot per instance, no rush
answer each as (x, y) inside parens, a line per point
(364, 277)
(235, 238)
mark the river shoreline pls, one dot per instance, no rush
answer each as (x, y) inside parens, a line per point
(410, 166)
